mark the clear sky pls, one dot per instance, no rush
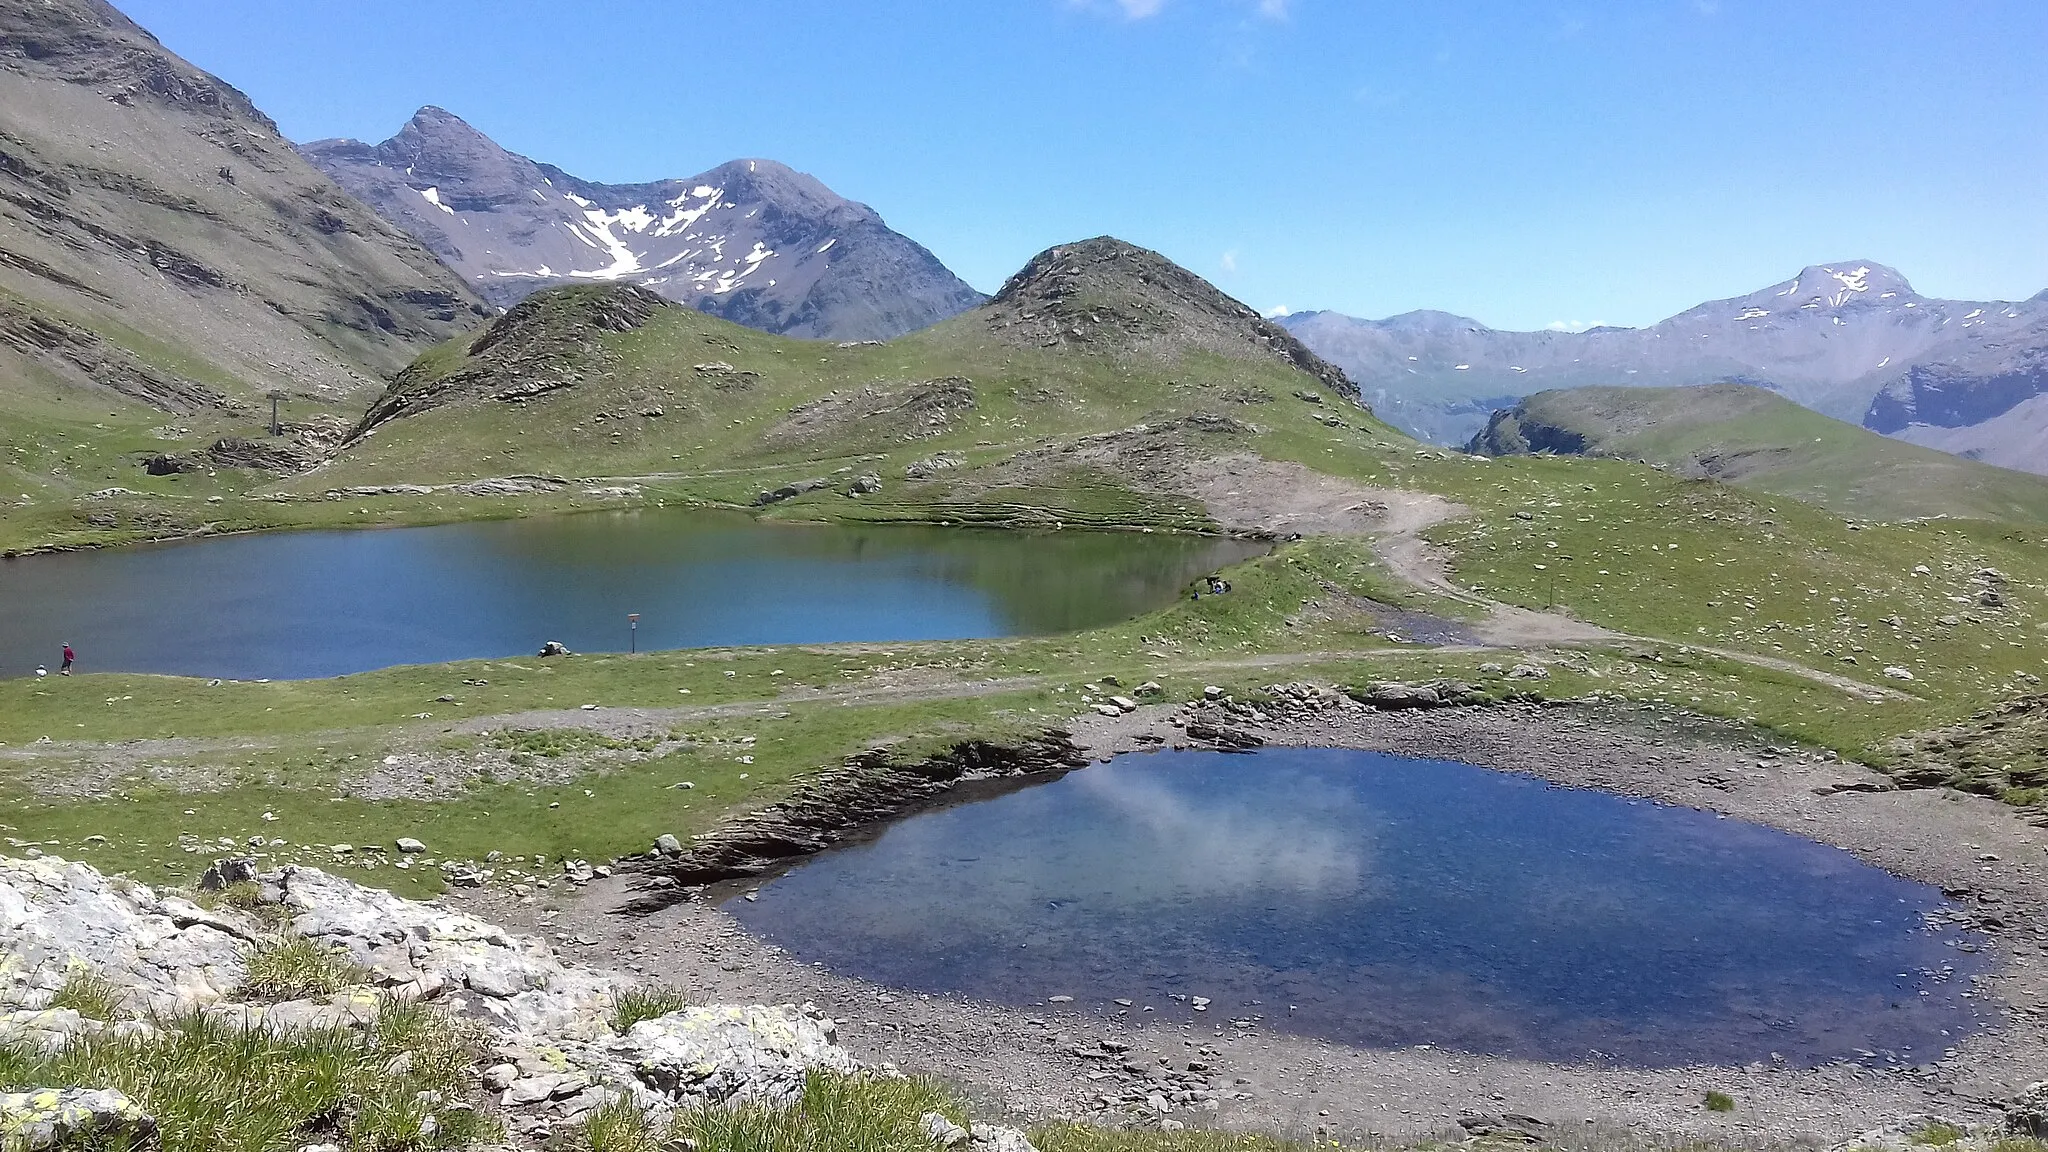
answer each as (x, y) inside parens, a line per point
(1519, 161)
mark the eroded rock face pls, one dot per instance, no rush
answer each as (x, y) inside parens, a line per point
(165, 952)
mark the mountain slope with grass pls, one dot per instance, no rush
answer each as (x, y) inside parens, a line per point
(1094, 338)
(1744, 435)
(752, 241)
(167, 261)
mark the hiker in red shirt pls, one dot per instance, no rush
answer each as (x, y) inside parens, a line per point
(69, 656)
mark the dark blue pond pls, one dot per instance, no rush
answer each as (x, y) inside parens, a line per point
(1384, 902)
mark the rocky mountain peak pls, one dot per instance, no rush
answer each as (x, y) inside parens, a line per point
(1110, 293)
(1430, 320)
(1849, 280)
(753, 241)
(442, 140)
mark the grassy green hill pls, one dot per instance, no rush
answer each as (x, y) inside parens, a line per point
(1745, 435)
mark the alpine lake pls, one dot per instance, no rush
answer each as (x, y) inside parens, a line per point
(1383, 902)
(296, 605)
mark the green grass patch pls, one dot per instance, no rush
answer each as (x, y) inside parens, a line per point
(1718, 1102)
(554, 743)
(89, 994)
(836, 1113)
(1938, 1133)
(213, 1085)
(632, 1005)
(295, 968)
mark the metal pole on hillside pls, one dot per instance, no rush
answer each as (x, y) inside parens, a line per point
(632, 632)
(276, 429)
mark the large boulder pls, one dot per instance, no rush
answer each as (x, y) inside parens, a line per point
(419, 950)
(164, 953)
(730, 1054)
(2026, 1115)
(43, 1119)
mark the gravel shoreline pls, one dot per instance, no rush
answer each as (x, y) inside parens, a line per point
(1048, 1061)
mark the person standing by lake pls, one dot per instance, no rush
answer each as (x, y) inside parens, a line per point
(69, 656)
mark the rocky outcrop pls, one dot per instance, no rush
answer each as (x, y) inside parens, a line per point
(839, 804)
(553, 1054)
(60, 1118)
(551, 340)
(1107, 294)
(1514, 432)
(166, 953)
(2000, 752)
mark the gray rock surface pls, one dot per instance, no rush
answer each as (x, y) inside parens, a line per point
(554, 1054)
(42, 1119)
(730, 1053)
(752, 240)
(167, 953)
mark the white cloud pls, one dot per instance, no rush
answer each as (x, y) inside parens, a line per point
(1229, 261)
(1573, 325)
(1144, 9)
(1277, 311)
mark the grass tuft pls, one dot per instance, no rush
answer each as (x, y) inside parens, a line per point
(214, 1085)
(89, 994)
(1719, 1102)
(632, 1005)
(297, 969)
(1937, 1134)
(620, 1127)
(836, 1112)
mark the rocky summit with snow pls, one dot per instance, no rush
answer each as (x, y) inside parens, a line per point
(752, 241)
(1851, 340)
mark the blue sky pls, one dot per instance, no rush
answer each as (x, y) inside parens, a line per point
(1525, 163)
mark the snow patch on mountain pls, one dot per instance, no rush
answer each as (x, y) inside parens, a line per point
(751, 240)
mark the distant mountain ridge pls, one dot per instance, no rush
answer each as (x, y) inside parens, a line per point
(751, 241)
(1850, 340)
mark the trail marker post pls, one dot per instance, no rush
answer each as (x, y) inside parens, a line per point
(632, 632)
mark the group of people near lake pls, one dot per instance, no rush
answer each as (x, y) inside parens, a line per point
(65, 670)
(1217, 586)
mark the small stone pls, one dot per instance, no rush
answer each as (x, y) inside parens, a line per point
(410, 846)
(667, 845)
(942, 1131)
